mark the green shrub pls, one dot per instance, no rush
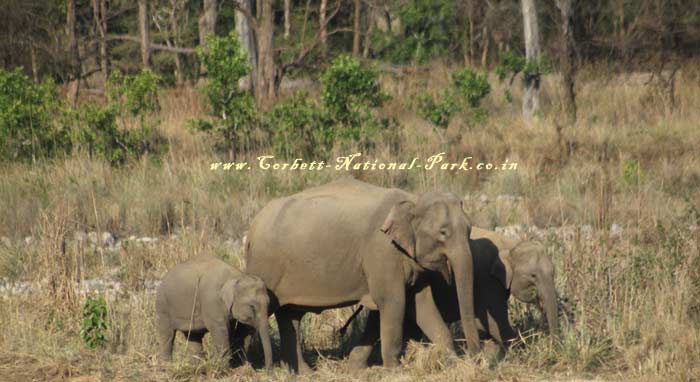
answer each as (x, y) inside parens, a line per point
(438, 111)
(27, 112)
(430, 28)
(350, 91)
(468, 89)
(471, 86)
(348, 88)
(299, 128)
(233, 110)
(94, 322)
(134, 94)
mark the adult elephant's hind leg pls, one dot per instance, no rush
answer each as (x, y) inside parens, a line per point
(361, 352)
(291, 339)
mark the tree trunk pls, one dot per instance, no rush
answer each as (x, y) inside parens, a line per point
(356, 29)
(265, 81)
(145, 33)
(99, 10)
(371, 15)
(207, 25)
(322, 22)
(471, 14)
(568, 57)
(531, 96)
(485, 48)
(247, 42)
(35, 67)
(287, 18)
(175, 37)
(73, 51)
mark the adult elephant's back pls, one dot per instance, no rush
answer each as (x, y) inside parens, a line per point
(309, 247)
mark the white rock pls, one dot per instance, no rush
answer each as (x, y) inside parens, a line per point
(108, 239)
(616, 230)
(28, 240)
(483, 198)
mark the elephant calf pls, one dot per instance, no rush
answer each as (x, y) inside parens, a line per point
(207, 295)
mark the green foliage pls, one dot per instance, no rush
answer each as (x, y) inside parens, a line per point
(300, 129)
(471, 86)
(233, 109)
(350, 91)
(94, 322)
(439, 111)
(136, 94)
(349, 88)
(512, 63)
(430, 28)
(27, 110)
(468, 89)
(95, 130)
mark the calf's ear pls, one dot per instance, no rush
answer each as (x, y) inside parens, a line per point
(228, 293)
(502, 269)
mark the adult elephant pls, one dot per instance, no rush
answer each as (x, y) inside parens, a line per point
(347, 242)
(502, 267)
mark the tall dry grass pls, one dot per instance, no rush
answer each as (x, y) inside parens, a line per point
(631, 160)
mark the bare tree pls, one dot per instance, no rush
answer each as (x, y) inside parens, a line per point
(99, 10)
(74, 53)
(322, 23)
(568, 57)
(287, 18)
(265, 87)
(167, 19)
(531, 96)
(207, 24)
(145, 33)
(356, 29)
(247, 41)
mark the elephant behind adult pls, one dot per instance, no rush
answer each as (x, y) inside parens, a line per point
(502, 266)
(347, 242)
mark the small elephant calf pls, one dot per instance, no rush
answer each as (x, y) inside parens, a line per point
(207, 295)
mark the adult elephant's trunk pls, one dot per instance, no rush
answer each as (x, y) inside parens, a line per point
(548, 297)
(464, 282)
(264, 332)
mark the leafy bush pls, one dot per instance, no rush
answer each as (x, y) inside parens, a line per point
(429, 29)
(94, 322)
(468, 89)
(471, 86)
(300, 128)
(232, 108)
(439, 111)
(27, 111)
(512, 63)
(137, 94)
(349, 88)
(350, 91)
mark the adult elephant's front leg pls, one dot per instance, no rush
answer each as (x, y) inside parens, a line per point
(430, 320)
(361, 352)
(391, 306)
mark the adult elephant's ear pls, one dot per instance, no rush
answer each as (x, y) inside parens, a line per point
(398, 226)
(502, 269)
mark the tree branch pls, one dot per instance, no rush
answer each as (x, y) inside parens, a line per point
(171, 49)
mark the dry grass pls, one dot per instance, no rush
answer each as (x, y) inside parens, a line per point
(635, 311)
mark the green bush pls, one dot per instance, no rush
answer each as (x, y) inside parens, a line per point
(300, 128)
(233, 110)
(350, 88)
(438, 111)
(468, 89)
(27, 114)
(94, 322)
(135, 94)
(430, 28)
(350, 92)
(471, 86)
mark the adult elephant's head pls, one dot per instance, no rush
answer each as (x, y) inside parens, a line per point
(434, 231)
(531, 279)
